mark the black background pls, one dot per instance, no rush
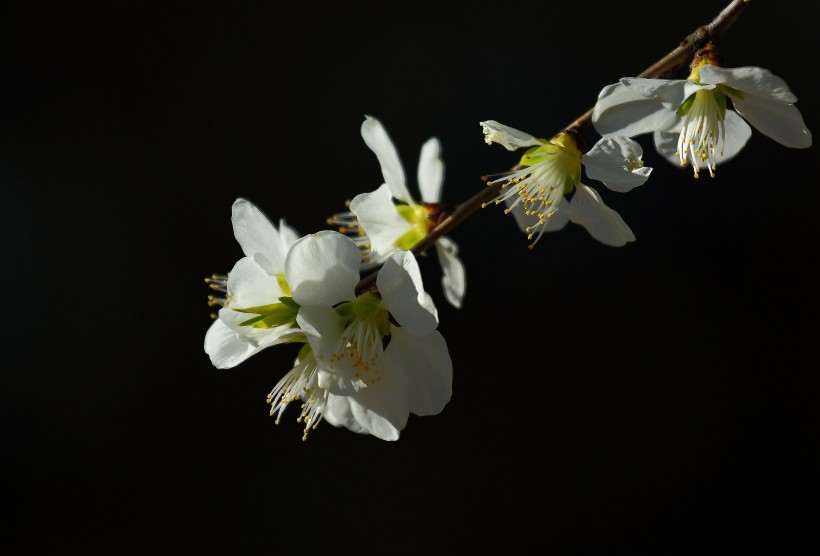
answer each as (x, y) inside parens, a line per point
(661, 398)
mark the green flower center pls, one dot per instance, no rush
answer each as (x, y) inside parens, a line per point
(417, 216)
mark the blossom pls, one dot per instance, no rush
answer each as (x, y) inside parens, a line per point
(387, 226)
(257, 311)
(551, 169)
(345, 374)
(689, 117)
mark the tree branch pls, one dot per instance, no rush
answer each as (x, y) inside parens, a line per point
(670, 64)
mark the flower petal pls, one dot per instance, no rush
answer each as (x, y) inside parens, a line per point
(749, 80)
(454, 279)
(782, 122)
(323, 268)
(737, 133)
(378, 217)
(376, 138)
(616, 161)
(250, 285)
(431, 171)
(428, 367)
(669, 92)
(287, 237)
(603, 223)
(509, 137)
(256, 234)
(403, 295)
(380, 410)
(621, 111)
(323, 329)
(225, 348)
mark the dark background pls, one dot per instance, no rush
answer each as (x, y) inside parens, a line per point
(656, 399)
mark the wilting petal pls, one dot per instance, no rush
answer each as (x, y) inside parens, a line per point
(454, 279)
(509, 137)
(616, 161)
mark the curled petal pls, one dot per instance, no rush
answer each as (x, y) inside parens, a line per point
(508, 137)
(616, 161)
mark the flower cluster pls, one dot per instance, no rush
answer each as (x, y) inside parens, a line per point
(353, 299)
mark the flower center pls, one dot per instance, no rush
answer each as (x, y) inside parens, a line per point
(703, 130)
(550, 171)
(418, 217)
(360, 345)
(300, 383)
(274, 314)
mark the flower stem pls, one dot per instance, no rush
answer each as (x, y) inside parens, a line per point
(669, 65)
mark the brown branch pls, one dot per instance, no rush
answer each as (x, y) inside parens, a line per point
(670, 64)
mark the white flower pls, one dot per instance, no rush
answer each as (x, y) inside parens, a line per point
(389, 226)
(346, 375)
(552, 169)
(257, 311)
(690, 119)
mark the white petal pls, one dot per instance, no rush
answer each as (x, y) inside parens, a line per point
(509, 137)
(287, 237)
(323, 269)
(257, 337)
(250, 285)
(256, 234)
(380, 410)
(403, 295)
(376, 138)
(782, 122)
(323, 328)
(751, 80)
(603, 223)
(621, 111)
(428, 367)
(378, 217)
(454, 279)
(737, 134)
(431, 171)
(225, 348)
(616, 161)
(669, 92)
